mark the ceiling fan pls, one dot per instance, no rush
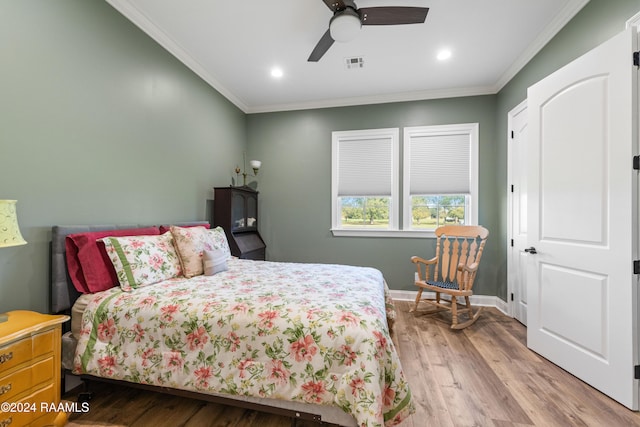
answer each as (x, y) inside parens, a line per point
(347, 20)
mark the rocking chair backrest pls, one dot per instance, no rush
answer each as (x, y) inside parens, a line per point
(458, 244)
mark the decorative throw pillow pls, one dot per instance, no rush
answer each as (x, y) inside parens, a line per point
(88, 265)
(214, 261)
(192, 241)
(143, 260)
(219, 240)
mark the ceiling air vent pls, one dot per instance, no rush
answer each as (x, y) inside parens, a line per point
(355, 62)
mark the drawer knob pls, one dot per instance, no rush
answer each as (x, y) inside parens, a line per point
(6, 357)
(5, 388)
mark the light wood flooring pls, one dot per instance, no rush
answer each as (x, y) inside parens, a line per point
(481, 376)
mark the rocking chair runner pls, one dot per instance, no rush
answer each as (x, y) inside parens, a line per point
(452, 271)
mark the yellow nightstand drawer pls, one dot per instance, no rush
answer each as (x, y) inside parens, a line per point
(43, 344)
(19, 415)
(24, 379)
(13, 354)
(15, 383)
(23, 412)
(43, 372)
(26, 349)
(7, 420)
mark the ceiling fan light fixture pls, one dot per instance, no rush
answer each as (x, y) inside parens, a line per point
(345, 25)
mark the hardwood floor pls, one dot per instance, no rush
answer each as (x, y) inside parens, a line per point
(481, 376)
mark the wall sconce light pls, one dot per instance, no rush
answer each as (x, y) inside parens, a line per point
(255, 165)
(9, 231)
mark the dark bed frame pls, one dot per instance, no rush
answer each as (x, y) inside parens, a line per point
(63, 295)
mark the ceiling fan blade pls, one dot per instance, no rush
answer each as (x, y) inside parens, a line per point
(392, 15)
(321, 48)
(334, 4)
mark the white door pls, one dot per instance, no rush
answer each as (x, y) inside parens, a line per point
(582, 218)
(518, 258)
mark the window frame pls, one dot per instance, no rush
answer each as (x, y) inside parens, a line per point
(470, 129)
(400, 200)
(394, 209)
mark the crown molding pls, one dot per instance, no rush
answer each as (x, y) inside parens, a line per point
(633, 21)
(376, 99)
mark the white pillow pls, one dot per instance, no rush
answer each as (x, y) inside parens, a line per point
(214, 261)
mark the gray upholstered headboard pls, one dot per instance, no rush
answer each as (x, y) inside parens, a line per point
(63, 293)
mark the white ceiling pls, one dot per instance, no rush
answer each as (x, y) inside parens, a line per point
(233, 45)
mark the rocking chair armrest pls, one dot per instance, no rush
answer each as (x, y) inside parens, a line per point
(423, 272)
(469, 268)
(417, 259)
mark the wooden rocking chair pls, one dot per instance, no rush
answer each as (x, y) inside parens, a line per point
(452, 271)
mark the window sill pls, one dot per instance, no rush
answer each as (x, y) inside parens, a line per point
(339, 232)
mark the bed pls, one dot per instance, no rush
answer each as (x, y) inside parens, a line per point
(305, 340)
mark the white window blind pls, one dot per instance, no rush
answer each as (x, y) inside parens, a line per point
(365, 164)
(440, 164)
(441, 160)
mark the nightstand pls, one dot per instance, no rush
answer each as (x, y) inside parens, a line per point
(30, 347)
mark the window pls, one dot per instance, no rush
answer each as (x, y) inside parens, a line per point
(439, 180)
(365, 181)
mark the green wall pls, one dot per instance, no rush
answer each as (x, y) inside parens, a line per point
(99, 124)
(295, 185)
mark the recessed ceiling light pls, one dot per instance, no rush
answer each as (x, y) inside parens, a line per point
(444, 54)
(276, 72)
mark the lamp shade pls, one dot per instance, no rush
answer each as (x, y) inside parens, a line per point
(345, 25)
(9, 230)
(255, 164)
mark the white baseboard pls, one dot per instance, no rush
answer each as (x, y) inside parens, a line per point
(482, 300)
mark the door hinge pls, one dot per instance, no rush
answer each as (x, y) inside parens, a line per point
(636, 163)
(636, 373)
(512, 135)
(636, 267)
(511, 242)
(512, 188)
(512, 300)
(636, 59)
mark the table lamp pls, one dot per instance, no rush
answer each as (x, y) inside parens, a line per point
(9, 231)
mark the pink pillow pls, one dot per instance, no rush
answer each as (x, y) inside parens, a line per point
(89, 265)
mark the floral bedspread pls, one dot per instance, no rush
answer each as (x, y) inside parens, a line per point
(314, 333)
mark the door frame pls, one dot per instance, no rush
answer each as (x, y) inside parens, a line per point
(511, 173)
